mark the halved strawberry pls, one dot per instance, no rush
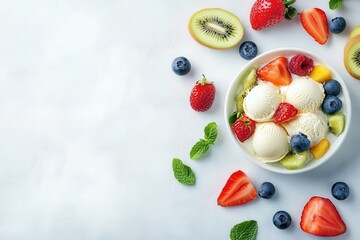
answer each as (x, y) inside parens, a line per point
(320, 217)
(285, 112)
(276, 72)
(315, 23)
(243, 127)
(238, 190)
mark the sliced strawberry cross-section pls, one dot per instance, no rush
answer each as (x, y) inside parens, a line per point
(276, 72)
(285, 112)
(315, 23)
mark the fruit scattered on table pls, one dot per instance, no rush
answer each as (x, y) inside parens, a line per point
(336, 123)
(321, 218)
(276, 72)
(267, 13)
(282, 220)
(182, 172)
(267, 190)
(300, 143)
(352, 56)
(340, 190)
(315, 23)
(244, 127)
(202, 95)
(285, 112)
(332, 104)
(337, 25)
(294, 160)
(332, 87)
(321, 73)
(238, 190)
(181, 66)
(216, 28)
(248, 50)
(301, 65)
(319, 150)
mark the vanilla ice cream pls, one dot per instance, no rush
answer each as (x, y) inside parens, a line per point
(305, 94)
(261, 102)
(313, 125)
(270, 142)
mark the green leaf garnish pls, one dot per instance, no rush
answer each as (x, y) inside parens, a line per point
(246, 230)
(233, 117)
(199, 149)
(182, 172)
(335, 4)
(211, 132)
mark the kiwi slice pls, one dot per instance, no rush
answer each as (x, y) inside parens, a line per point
(337, 123)
(355, 32)
(216, 28)
(294, 160)
(248, 81)
(352, 57)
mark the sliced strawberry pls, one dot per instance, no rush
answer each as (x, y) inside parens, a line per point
(276, 72)
(285, 112)
(238, 190)
(320, 217)
(244, 127)
(315, 23)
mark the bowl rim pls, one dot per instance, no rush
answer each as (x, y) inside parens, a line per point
(340, 139)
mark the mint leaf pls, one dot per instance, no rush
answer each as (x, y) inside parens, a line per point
(233, 117)
(246, 230)
(182, 172)
(211, 132)
(199, 149)
(335, 4)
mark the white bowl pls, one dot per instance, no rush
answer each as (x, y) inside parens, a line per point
(246, 147)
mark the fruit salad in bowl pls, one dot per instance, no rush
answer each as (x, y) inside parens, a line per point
(288, 111)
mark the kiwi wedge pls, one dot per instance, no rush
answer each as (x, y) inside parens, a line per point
(248, 80)
(216, 28)
(294, 160)
(337, 123)
(352, 57)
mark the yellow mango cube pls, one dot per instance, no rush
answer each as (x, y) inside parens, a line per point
(321, 74)
(320, 149)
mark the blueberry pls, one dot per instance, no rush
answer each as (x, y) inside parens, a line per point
(331, 104)
(181, 66)
(282, 219)
(337, 25)
(332, 87)
(300, 142)
(340, 190)
(248, 50)
(267, 190)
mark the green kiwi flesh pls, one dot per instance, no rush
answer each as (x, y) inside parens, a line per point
(248, 81)
(294, 160)
(336, 123)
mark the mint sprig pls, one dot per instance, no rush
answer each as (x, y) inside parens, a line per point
(203, 145)
(246, 230)
(335, 4)
(182, 172)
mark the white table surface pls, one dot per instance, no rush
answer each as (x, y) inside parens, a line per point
(92, 116)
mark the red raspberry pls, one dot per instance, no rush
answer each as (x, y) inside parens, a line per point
(301, 65)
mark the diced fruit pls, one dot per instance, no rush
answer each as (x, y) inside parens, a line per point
(181, 66)
(202, 95)
(340, 190)
(285, 112)
(337, 25)
(248, 50)
(282, 220)
(238, 190)
(355, 32)
(267, 190)
(300, 142)
(267, 13)
(216, 28)
(301, 65)
(332, 87)
(248, 81)
(315, 23)
(321, 74)
(336, 123)
(352, 57)
(331, 104)
(319, 150)
(294, 160)
(321, 218)
(244, 127)
(276, 72)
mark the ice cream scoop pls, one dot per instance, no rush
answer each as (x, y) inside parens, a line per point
(270, 142)
(305, 94)
(313, 125)
(261, 102)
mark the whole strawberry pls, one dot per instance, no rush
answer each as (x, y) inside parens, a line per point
(244, 127)
(267, 13)
(202, 95)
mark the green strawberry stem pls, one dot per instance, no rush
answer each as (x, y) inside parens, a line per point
(203, 81)
(290, 12)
